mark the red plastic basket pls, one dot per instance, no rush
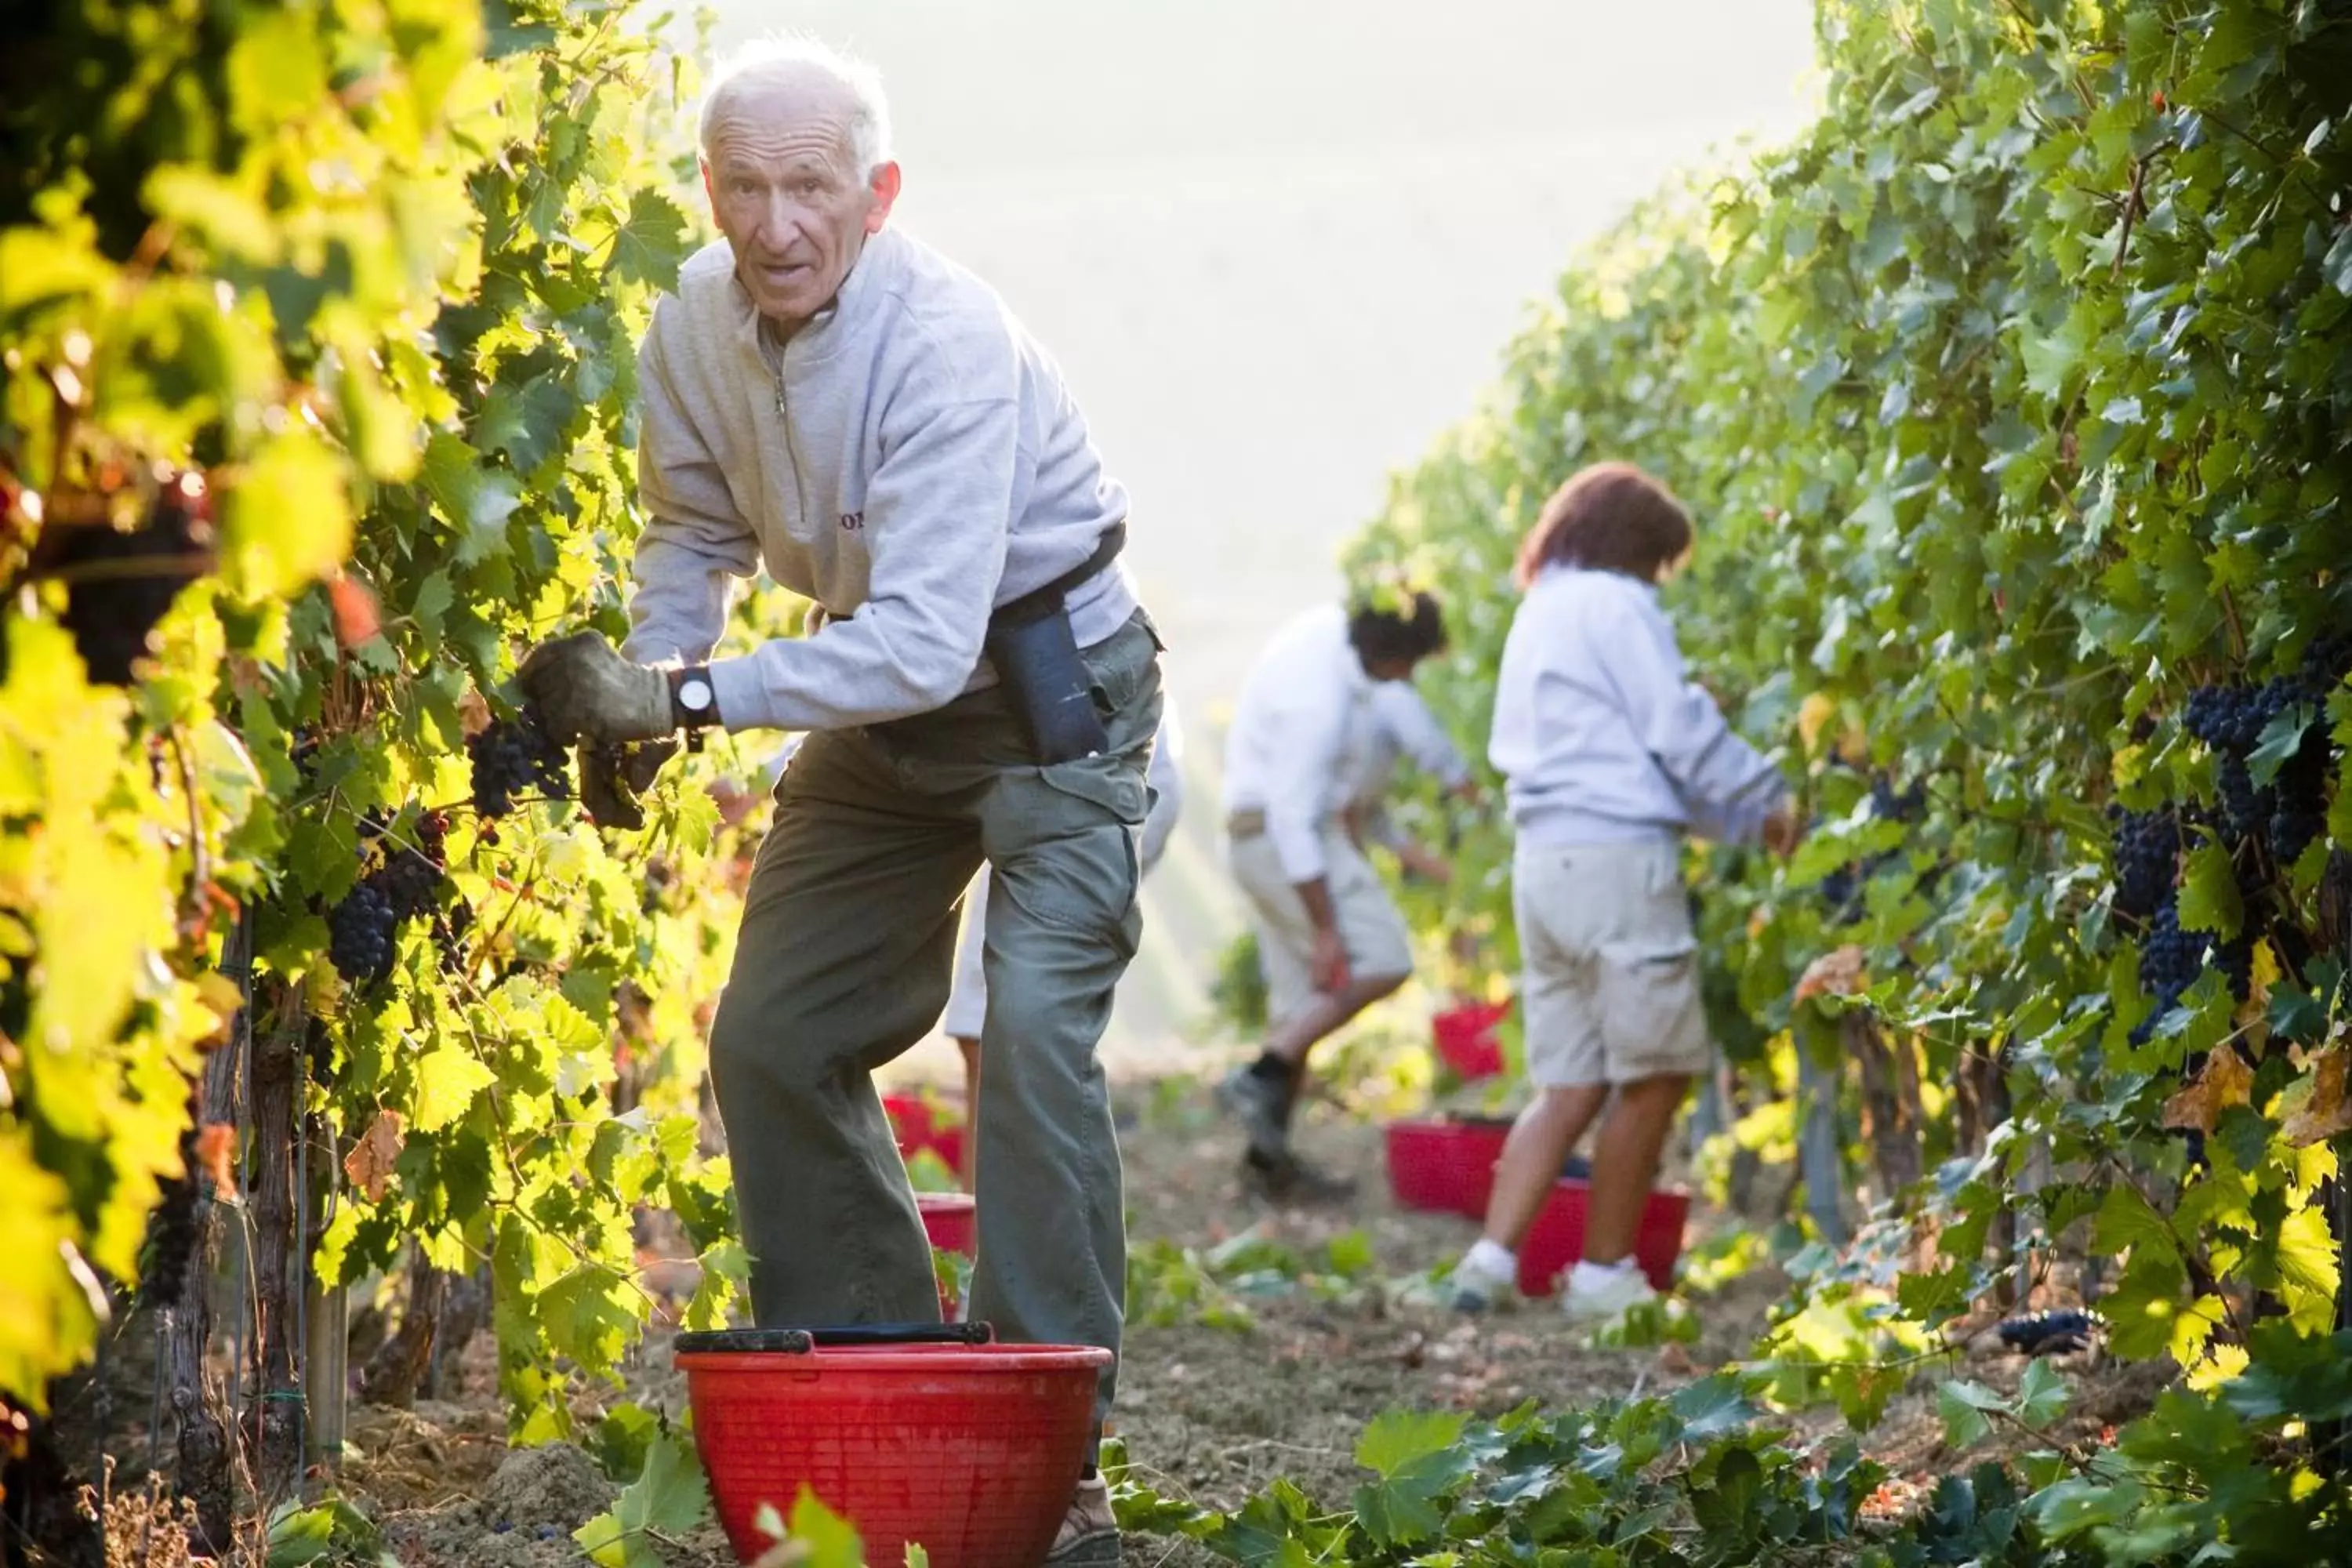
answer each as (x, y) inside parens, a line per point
(1556, 1239)
(1467, 1041)
(952, 1222)
(1444, 1167)
(919, 1125)
(971, 1452)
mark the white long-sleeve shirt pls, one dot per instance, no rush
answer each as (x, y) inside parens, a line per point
(1599, 734)
(910, 459)
(1402, 728)
(1299, 728)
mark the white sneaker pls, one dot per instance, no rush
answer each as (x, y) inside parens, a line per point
(1478, 1286)
(1615, 1293)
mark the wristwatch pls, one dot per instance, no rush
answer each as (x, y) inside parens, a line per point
(692, 702)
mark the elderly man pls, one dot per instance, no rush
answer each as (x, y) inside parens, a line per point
(826, 396)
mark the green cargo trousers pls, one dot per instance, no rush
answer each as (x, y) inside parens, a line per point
(844, 961)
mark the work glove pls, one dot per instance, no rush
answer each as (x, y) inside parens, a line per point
(613, 777)
(580, 688)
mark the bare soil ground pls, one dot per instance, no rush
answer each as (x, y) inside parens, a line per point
(1209, 1413)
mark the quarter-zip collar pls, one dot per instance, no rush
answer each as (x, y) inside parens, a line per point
(830, 328)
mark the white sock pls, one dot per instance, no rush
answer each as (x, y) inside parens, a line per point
(1491, 1258)
(1599, 1276)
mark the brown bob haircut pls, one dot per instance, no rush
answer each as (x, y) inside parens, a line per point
(1611, 517)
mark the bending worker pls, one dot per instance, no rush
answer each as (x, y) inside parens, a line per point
(1330, 938)
(827, 397)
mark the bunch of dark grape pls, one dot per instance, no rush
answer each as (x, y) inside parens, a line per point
(2170, 959)
(359, 932)
(172, 1231)
(2232, 718)
(2299, 799)
(1842, 888)
(2049, 1334)
(2243, 806)
(411, 876)
(511, 757)
(121, 582)
(449, 929)
(2147, 853)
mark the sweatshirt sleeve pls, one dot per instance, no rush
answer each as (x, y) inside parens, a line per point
(694, 538)
(1726, 786)
(937, 514)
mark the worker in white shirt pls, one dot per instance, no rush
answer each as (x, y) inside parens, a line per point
(1612, 754)
(1331, 939)
(968, 1002)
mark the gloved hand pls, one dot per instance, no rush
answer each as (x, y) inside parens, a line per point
(582, 690)
(613, 777)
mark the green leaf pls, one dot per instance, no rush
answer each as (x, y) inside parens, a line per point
(668, 1498)
(289, 518)
(476, 499)
(1712, 1407)
(447, 1079)
(1962, 1405)
(2281, 739)
(651, 242)
(1396, 1440)
(2209, 892)
(2042, 1395)
(1726, 1510)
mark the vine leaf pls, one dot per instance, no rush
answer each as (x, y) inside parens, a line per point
(668, 1498)
(2224, 1080)
(370, 1164)
(2327, 1112)
(2208, 893)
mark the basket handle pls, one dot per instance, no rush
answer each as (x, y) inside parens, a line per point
(903, 1334)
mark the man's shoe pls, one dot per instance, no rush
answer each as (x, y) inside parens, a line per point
(1262, 1106)
(1291, 1179)
(1478, 1289)
(1089, 1534)
(1603, 1301)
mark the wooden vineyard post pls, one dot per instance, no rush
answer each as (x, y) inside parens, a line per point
(277, 1415)
(1820, 1162)
(326, 1374)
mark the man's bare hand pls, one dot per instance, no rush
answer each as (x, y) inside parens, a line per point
(1420, 861)
(1328, 966)
(1784, 831)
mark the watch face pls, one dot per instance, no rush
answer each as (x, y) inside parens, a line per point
(695, 695)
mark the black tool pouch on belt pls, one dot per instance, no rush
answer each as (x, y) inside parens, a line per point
(1036, 657)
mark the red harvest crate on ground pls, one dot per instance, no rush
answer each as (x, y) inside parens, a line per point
(971, 1452)
(1556, 1239)
(919, 1125)
(1466, 1039)
(1444, 1167)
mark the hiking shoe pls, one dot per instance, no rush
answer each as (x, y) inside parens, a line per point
(1479, 1288)
(1263, 1108)
(1590, 1301)
(1089, 1534)
(1290, 1179)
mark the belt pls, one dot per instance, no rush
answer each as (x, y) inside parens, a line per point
(1039, 603)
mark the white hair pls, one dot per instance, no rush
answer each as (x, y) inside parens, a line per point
(767, 62)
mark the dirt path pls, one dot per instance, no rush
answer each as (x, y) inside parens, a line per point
(1209, 1413)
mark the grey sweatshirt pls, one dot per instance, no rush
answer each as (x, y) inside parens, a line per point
(910, 460)
(1601, 734)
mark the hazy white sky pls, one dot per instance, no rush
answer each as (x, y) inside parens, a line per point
(1277, 246)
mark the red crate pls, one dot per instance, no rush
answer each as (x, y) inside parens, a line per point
(919, 1125)
(1444, 1166)
(971, 1452)
(1556, 1240)
(1468, 1041)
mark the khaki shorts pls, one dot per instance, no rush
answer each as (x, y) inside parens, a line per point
(1610, 991)
(1369, 926)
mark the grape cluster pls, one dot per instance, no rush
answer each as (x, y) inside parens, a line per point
(2298, 812)
(411, 875)
(120, 583)
(509, 758)
(2232, 718)
(2147, 855)
(2049, 1334)
(2170, 959)
(1842, 888)
(360, 932)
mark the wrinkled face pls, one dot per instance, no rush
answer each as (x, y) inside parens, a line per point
(786, 190)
